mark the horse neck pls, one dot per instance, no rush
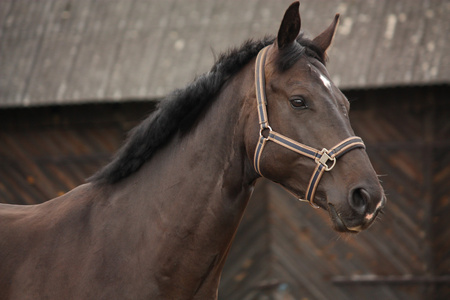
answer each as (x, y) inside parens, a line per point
(195, 190)
(211, 156)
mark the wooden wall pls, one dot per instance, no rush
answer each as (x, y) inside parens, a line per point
(283, 249)
(47, 151)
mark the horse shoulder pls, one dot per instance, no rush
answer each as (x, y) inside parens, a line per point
(40, 239)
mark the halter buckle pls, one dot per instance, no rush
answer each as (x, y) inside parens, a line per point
(324, 158)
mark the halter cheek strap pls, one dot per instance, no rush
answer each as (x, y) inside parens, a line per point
(325, 159)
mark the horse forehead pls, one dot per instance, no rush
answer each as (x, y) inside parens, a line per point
(326, 82)
(321, 76)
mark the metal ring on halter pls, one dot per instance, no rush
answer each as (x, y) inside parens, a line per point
(265, 128)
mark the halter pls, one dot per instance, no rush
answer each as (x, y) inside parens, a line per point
(325, 159)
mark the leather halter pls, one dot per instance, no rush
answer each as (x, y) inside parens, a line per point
(325, 159)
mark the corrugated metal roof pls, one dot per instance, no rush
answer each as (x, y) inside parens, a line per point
(54, 51)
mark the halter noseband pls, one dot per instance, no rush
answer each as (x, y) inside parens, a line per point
(325, 159)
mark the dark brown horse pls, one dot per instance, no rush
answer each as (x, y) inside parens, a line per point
(158, 221)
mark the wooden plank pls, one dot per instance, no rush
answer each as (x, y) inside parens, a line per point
(175, 67)
(431, 62)
(89, 76)
(52, 67)
(134, 65)
(117, 50)
(6, 8)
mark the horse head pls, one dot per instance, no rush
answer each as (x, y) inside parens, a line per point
(306, 142)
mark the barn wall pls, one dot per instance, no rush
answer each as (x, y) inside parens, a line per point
(44, 152)
(283, 248)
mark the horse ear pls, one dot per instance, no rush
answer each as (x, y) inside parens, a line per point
(290, 26)
(324, 40)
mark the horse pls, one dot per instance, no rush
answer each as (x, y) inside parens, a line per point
(158, 221)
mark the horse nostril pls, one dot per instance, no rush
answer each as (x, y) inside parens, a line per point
(359, 200)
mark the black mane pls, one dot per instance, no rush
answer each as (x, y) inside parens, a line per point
(180, 108)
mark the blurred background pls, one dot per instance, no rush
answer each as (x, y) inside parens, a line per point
(75, 76)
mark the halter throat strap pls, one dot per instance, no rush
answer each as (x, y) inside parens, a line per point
(325, 159)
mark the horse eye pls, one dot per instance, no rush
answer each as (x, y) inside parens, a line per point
(298, 103)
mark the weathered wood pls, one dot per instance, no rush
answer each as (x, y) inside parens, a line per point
(57, 52)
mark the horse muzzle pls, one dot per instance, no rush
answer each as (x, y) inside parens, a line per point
(355, 221)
